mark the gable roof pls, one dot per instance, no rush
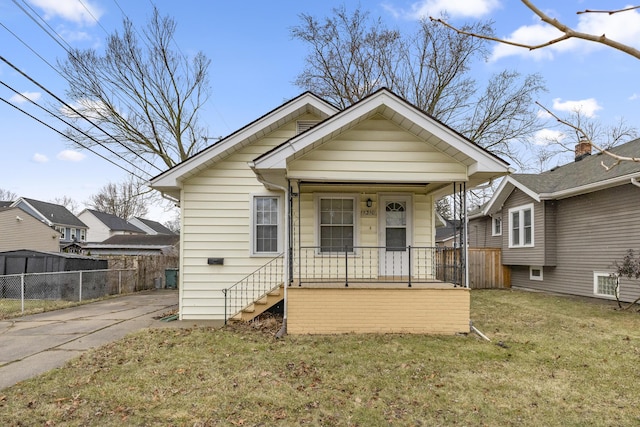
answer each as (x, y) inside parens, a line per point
(141, 240)
(51, 213)
(169, 181)
(153, 225)
(572, 179)
(480, 162)
(113, 222)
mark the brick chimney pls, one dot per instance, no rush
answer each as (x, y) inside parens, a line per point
(583, 149)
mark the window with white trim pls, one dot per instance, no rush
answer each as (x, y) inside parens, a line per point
(337, 223)
(83, 234)
(521, 226)
(605, 284)
(535, 273)
(496, 225)
(266, 221)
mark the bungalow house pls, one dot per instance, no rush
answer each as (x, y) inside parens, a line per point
(332, 211)
(19, 230)
(71, 229)
(562, 230)
(103, 225)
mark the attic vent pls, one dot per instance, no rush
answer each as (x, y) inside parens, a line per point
(304, 125)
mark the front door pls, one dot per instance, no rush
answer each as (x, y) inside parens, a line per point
(395, 235)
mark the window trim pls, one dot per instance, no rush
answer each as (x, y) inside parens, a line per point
(539, 278)
(597, 274)
(280, 225)
(521, 209)
(498, 217)
(316, 208)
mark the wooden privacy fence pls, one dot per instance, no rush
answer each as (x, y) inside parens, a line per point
(486, 270)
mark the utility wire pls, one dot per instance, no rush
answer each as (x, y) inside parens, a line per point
(57, 98)
(66, 136)
(68, 49)
(72, 126)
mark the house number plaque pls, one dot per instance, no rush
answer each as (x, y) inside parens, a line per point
(368, 212)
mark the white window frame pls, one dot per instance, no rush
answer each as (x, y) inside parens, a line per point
(494, 220)
(280, 225)
(607, 274)
(533, 268)
(520, 210)
(356, 210)
(83, 234)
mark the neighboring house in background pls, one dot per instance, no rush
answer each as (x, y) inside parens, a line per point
(562, 230)
(19, 230)
(103, 225)
(448, 234)
(337, 206)
(150, 227)
(158, 244)
(70, 227)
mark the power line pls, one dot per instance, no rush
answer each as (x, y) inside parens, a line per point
(66, 136)
(72, 126)
(57, 98)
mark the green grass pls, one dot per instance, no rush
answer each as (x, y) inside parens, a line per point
(552, 361)
(10, 308)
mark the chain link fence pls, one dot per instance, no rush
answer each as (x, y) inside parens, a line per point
(29, 292)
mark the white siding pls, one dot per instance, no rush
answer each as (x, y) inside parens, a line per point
(97, 230)
(215, 219)
(377, 150)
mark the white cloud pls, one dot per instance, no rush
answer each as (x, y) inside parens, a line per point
(70, 156)
(70, 10)
(85, 107)
(17, 99)
(545, 137)
(588, 106)
(623, 27)
(634, 97)
(453, 8)
(40, 158)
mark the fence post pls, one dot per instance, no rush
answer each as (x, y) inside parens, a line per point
(80, 288)
(346, 267)
(119, 282)
(22, 292)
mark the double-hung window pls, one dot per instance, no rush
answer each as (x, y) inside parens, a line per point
(266, 220)
(521, 226)
(337, 223)
(496, 225)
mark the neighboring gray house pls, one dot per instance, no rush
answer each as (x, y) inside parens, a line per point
(158, 244)
(103, 225)
(150, 227)
(562, 230)
(70, 227)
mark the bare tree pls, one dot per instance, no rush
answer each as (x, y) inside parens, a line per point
(585, 130)
(7, 196)
(141, 97)
(351, 55)
(67, 202)
(126, 200)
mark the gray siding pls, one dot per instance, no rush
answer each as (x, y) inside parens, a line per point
(593, 231)
(479, 231)
(550, 233)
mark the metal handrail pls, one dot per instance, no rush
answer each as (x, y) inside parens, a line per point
(253, 286)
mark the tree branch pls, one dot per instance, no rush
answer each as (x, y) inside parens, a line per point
(568, 32)
(618, 159)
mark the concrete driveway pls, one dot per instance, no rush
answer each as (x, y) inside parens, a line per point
(34, 344)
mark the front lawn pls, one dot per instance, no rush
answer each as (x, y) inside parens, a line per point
(552, 360)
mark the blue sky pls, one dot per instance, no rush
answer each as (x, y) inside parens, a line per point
(254, 62)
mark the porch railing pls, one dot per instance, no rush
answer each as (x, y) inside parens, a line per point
(253, 286)
(379, 264)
